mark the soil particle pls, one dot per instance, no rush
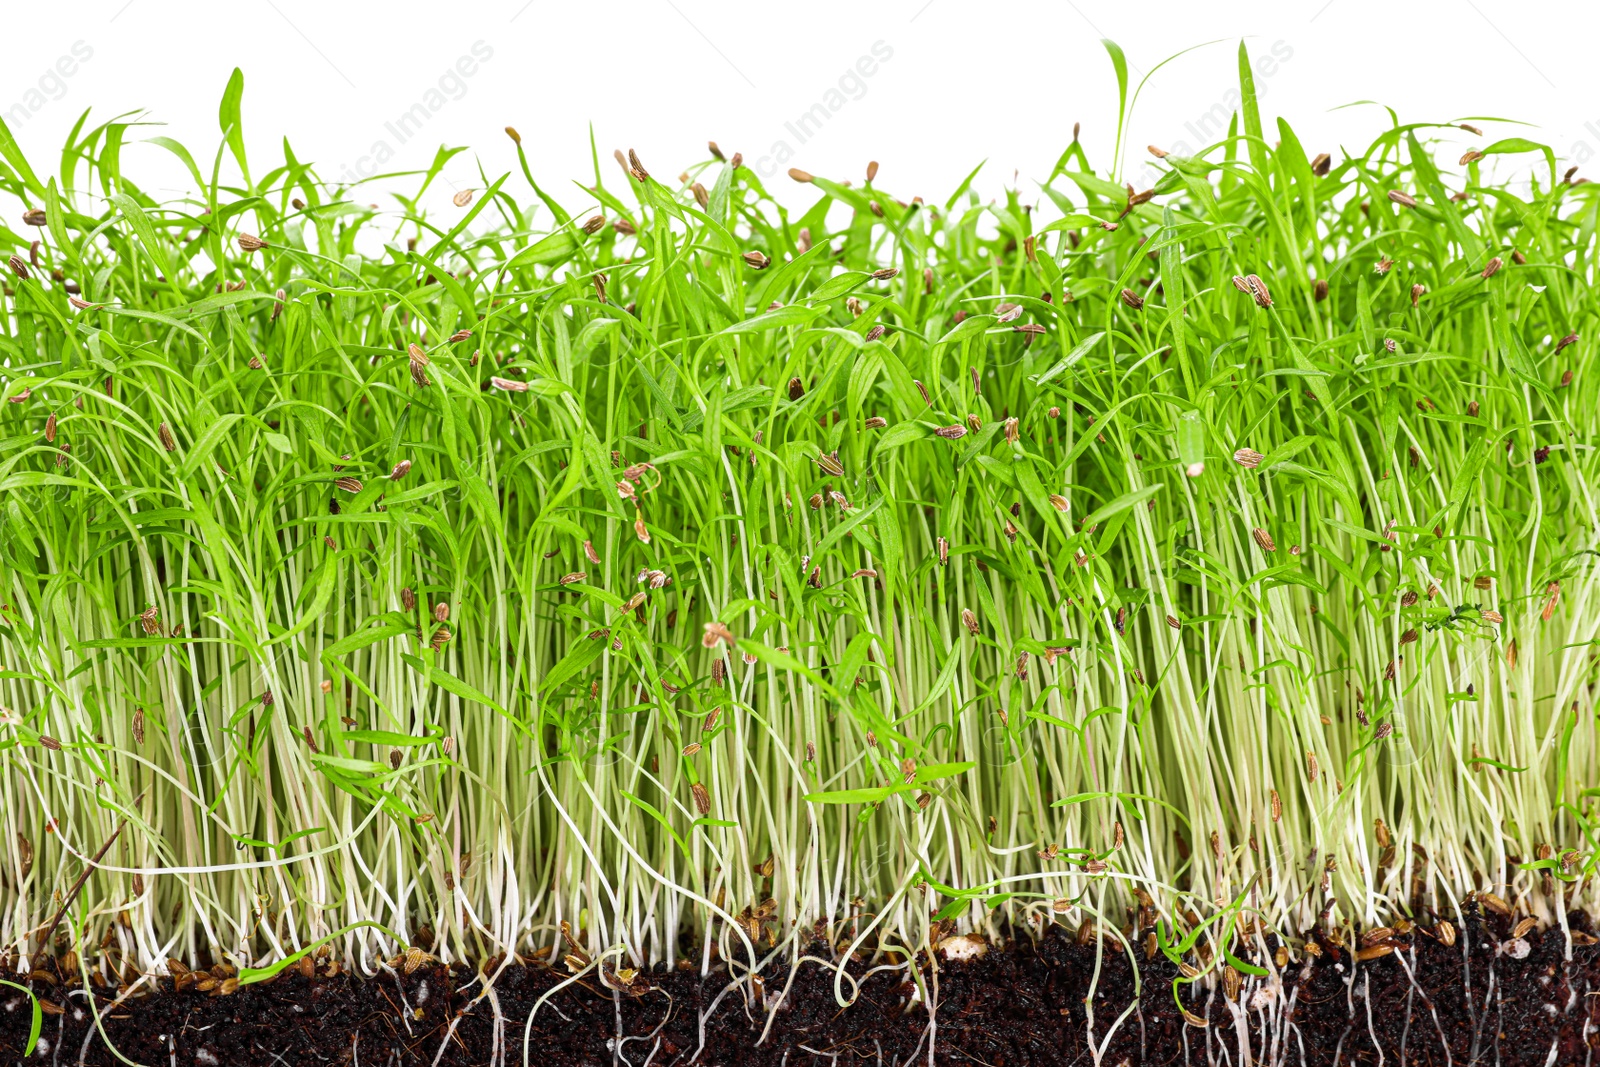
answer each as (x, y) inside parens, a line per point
(1423, 1002)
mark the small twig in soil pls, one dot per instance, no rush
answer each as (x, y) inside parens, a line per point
(77, 887)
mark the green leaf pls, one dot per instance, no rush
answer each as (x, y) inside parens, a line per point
(252, 975)
(229, 118)
(553, 248)
(1079, 351)
(790, 315)
(839, 285)
(1252, 113)
(1121, 504)
(930, 773)
(38, 1014)
(145, 230)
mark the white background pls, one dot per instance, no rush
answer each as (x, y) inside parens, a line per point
(1001, 81)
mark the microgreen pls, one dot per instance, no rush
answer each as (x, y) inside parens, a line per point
(570, 575)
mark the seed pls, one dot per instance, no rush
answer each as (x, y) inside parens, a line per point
(799, 175)
(349, 485)
(1059, 502)
(1553, 596)
(1007, 313)
(419, 362)
(975, 423)
(815, 501)
(876, 423)
(875, 332)
(138, 726)
(168, 442)
(970, 621)
(1054, 413)
(250, 243)
(716, 633)
(1494, 264)
(883, 274)
(1258, 289)
(1248, 457)
(19, 267)
(49, 742)
(952, 433)
(1264, 539)
(1491, 616)
(1321, 164)
(1132, 299)
(1011, 430)
(640, 530)
(702, 799)
(509, 385)
(1384, 730)
(1445, 932)
(830, 464)
(637, 168)
(756, 260)
(1311, 765)
(943, 550)
(311, 742)
(796, 389)
(1403, 199)
(1494, 904)
(1232, 980)
(400, 470)
(1409, 636)
(1524, 926)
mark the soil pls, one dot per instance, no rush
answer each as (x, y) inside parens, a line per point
(1482, 1000)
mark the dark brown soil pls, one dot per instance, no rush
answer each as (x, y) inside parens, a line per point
(1471, 1003)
